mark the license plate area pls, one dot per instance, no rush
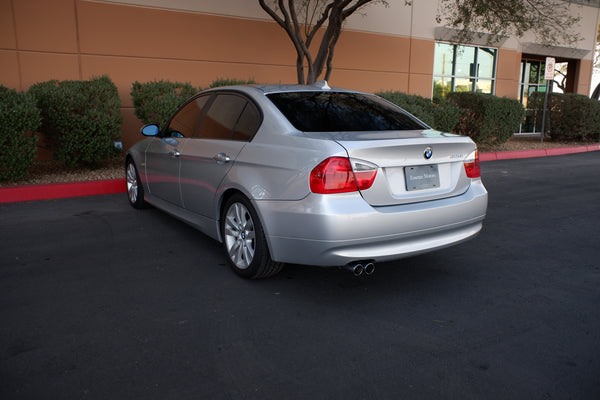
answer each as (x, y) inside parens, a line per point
(421, 177)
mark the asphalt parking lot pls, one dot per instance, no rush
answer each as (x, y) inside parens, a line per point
(100, 301)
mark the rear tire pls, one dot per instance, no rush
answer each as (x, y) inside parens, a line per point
(135, 190)
(244, 240)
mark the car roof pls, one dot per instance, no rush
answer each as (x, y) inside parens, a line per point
(316, 87)
(320, 86)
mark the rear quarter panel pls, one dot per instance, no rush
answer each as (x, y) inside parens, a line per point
(278, 169)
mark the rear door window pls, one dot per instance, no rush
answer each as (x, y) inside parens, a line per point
(248, 123)
(230, 117)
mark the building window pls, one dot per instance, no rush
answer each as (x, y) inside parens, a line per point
(460, 68)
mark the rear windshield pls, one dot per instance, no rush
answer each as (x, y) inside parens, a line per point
(339, 112)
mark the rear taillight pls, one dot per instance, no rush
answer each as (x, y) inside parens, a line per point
(335, 175)
(472, 165)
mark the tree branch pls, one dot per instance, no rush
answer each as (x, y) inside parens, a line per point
(296, 18)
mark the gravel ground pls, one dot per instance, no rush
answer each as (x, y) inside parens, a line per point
(44, 172)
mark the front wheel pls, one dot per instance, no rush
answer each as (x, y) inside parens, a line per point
(135, 190)
(244, 240)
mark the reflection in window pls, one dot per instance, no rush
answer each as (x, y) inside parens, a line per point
(187, 120)
(463, 64)
(248, 123)
(341, 112)
(444, 58)
(487, 62)
(532, 81)
(460, 68)
(223, 116)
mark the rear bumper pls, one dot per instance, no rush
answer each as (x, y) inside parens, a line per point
(332, 230)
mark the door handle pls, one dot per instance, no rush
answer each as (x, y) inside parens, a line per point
(221, 158)
(174, 154)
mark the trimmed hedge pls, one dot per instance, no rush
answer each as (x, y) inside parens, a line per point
(156, 101)
(487, 119)
(80, 119)
(571, 116)
(19, 118)
(438, 114)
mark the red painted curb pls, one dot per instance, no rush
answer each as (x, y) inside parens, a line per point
(62, 190)
(559, 151)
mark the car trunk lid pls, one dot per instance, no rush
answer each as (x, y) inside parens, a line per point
(412, 166)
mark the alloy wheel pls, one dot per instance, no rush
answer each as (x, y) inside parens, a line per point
(239, 235)
(132, 183)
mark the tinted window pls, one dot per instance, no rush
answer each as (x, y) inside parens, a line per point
(335, 111)
(248, 123)
(222, 117)
(187, 120)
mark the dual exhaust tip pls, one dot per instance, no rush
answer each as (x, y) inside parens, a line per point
(359, 268)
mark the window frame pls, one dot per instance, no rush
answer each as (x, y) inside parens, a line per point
(164, 132)
(473, 78)
(282, 102)
(212, 96)
(525, 91)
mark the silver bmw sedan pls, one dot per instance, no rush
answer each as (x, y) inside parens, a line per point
(308, 175)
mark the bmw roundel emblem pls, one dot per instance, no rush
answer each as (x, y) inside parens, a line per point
(428, 153)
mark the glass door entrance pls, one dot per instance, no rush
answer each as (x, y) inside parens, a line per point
(532, 80)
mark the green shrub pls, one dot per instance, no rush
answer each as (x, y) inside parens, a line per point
(487, 119)
(156, 101)
(445, 115)
(80, 119)
(19, 119)
(571, 116)
(439, 115)
(231, 82)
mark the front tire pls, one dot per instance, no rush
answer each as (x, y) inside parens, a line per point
(135, 190)
(244, 240)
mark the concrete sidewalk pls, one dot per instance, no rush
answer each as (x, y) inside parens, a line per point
(90, 188)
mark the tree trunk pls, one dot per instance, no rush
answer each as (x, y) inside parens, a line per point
(596, 93)
(300, 69)
(334, 12)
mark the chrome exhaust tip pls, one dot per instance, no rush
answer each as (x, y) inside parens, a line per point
(356, 269)
(369, 268)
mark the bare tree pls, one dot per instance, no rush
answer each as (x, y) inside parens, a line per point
(549, 20)
(302, 20)
(562, 84)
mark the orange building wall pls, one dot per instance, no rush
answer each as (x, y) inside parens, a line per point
(78, 39)
(421, 67)
(507, 73)
(583, 80)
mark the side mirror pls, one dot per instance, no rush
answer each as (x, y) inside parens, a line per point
(150, 130)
